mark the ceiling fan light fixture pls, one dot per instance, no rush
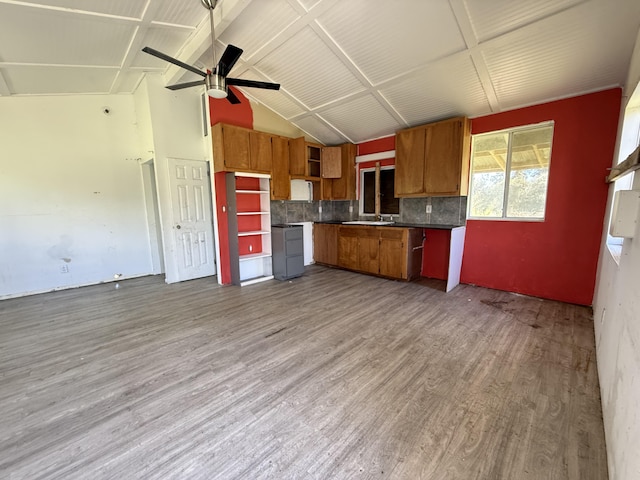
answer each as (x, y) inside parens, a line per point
(216, 86)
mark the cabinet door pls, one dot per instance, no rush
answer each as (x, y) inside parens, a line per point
(325, 243)
(331, 162)
(368, 249)
(393, 252)
(444, 158)
(344, 188)
(326, 184)
(297, 156)
(348, 247)
(236, 148)
(261, 154)
(280, 182)
(410, 162)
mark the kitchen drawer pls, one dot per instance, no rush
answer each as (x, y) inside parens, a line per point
(293, 246)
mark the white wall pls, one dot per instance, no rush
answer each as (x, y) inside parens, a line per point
(176, 131)
(617, 328)
(70, 193)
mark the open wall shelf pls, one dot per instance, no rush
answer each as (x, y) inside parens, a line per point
(248, 198)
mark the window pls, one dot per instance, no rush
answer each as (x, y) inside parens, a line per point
(389, 205)
(510, 172)
(629, 141)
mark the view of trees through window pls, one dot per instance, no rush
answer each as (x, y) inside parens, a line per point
(510, 172)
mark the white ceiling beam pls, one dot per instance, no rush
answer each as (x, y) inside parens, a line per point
(69, 10)
(464, 23)
(135, 45)
(4, 88)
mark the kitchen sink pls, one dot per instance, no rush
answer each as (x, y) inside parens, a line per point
(367, 222)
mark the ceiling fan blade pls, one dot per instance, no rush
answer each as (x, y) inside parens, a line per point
(239, 82)
(179, 86)
(228, 59)
(232, 97)
(169, 59)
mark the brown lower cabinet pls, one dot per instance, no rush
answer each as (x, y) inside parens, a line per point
(325, 243)
(393, 252)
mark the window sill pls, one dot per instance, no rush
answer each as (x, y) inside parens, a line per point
(615, 251)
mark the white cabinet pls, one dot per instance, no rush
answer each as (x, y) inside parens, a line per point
(248, 200)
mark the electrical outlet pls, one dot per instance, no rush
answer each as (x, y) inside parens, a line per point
(428, 208)
(319, 208)
(64, 268)
(350, 208)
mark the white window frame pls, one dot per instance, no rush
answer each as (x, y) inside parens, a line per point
(361, 190)
(505, 197)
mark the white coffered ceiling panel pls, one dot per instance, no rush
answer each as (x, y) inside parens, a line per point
(572, 53)
(445, 88)
(490, 19)
(277, 101)
(123, 8)
(314, 79)
(180, 13)
(361, 118)
(250, 35)
(349, 69)
(308, 4)
(319, 130)
(61, 80)
(390, 39)
(54, 37)
(159, 38)
(130, 80)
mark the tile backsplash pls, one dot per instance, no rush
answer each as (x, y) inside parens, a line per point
(299, 211)
(444, 211)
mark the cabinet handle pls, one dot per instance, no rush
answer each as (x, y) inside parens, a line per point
(417, 248)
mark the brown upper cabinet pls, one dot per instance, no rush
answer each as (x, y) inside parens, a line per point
(313, 160)
(433, 159)
(304, 158)
(344, 187)
(280, 180)
(240, 149)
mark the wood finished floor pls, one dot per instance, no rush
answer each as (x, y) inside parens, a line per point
(334, 375)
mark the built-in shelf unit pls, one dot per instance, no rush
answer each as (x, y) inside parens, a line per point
(248, 201)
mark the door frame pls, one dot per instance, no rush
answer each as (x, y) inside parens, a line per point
(152, 208)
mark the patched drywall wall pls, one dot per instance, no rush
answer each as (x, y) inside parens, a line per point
(617, 325)
(71, 202)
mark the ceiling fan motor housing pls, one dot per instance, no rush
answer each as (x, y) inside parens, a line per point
(216, 86)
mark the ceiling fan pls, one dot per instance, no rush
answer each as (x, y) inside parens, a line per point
(216, 80)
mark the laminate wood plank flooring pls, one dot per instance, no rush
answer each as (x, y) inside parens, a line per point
(333, 375)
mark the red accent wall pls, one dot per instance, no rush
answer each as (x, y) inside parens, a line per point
(556, 258)
(379, 145)
(219, 179)
(241, 115)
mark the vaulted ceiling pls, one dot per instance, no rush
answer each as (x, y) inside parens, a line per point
(350, 70)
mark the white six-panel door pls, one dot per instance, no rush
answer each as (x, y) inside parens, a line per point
(192, 224)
